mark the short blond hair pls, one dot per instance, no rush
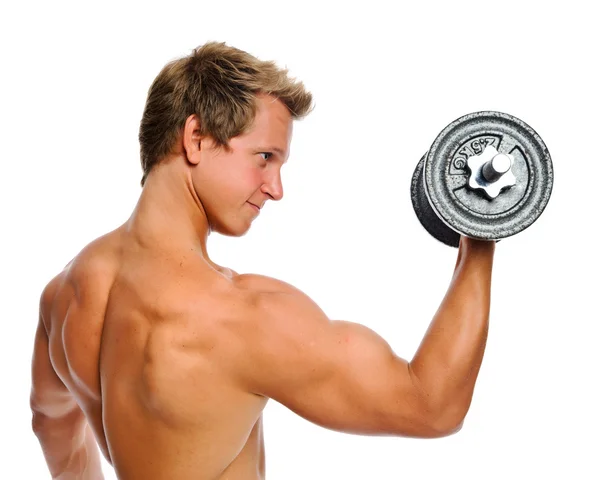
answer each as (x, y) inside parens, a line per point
(219, 84)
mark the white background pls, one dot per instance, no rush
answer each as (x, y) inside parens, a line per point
(386, 79)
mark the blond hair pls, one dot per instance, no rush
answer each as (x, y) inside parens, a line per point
(219, 84)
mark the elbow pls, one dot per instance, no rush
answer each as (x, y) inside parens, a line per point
(39, 423)
(444, 419)
(437, 428)
(424, 423)
(439, 415)
(440, 421)
(444, 427)
(39, 419)
(36, 424)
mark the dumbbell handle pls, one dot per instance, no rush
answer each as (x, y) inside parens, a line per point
(496, 167)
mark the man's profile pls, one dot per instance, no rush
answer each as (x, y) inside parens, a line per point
(166, 360)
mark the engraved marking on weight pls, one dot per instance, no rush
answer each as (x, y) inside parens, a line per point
(470, 149)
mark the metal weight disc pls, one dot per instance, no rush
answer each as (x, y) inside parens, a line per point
(425, 213)
(469, 211)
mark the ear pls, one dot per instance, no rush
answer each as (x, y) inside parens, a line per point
(192, 140)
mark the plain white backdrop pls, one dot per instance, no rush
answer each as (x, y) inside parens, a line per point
(386, 78)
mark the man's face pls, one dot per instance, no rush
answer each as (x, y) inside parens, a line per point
(233, 185)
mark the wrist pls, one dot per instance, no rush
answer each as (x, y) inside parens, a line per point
(474, 247)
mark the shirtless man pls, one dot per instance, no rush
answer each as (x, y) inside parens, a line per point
(166, 360)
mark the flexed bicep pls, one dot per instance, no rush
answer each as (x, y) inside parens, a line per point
(337, 374)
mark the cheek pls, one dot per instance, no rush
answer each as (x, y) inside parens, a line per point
(229, 183)
(248, 178)
(241, 182)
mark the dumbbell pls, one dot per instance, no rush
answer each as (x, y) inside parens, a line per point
(488, 175)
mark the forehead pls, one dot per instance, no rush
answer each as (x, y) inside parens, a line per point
(272, 123)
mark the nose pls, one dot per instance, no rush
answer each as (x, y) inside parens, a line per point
(273, 186)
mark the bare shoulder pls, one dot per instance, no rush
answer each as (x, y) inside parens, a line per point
(47, 297)
(261, 283)
(278, 320)
(97, 257)
(275, 318)
(275, 300)
(264, 285)
(91, 268)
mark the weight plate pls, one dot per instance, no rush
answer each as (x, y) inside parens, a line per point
(469, 211)
(425, 213)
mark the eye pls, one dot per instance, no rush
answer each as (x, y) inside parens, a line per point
(266, 155)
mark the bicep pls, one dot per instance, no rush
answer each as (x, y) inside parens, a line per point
(337, 374)
(351, 381)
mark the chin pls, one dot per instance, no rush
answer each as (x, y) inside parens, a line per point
(231, 230)
(229, 226)
(234, 234)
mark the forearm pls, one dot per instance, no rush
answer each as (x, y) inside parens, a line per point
(69, 447)
(448, 360)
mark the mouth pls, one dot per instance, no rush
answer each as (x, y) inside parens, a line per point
(254, 207)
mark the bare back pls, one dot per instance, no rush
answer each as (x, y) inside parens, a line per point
(147, 336)
(172, 359)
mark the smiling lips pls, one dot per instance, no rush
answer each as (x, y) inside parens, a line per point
(254, 207)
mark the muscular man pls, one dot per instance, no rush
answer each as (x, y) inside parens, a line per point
(166, 359)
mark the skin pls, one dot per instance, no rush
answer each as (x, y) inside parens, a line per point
(166, 360)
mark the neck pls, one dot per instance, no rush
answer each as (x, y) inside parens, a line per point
(169, 214)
